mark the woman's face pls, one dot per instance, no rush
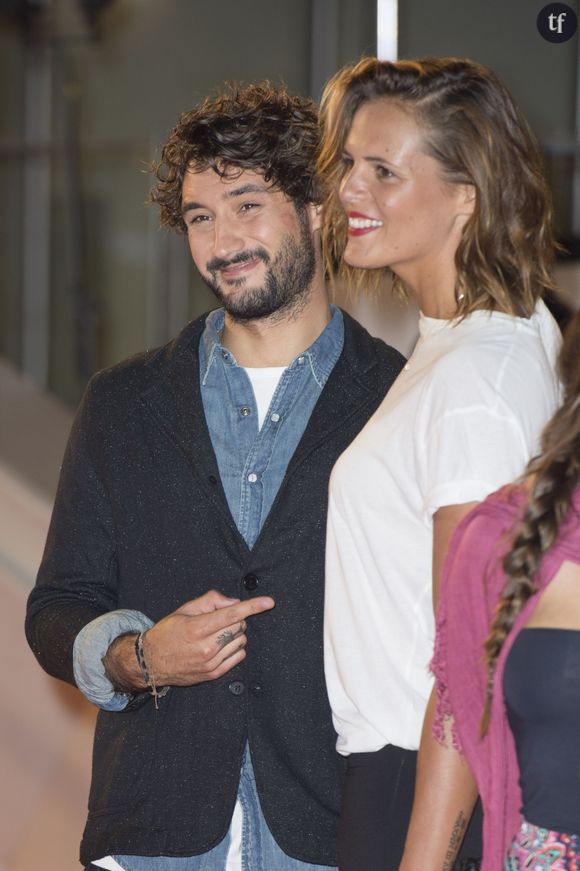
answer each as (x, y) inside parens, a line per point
(401, 213)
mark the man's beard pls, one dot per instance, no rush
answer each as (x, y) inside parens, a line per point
(287, 284)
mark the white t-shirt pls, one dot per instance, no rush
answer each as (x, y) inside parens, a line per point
(264, 382)
(462, 418)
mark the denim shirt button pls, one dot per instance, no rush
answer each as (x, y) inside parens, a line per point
(301, 361)
(252, 478)
(245, 410)
(275, 417)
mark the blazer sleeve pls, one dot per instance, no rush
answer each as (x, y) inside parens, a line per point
(77, 579)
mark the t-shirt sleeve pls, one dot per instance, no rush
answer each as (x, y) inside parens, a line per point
(468, 453)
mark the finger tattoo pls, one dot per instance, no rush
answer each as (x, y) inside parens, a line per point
(224, 638)
(227, 635)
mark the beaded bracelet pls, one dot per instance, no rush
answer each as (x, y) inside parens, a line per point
(147, 677)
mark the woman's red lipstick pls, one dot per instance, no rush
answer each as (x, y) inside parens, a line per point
(360, 225)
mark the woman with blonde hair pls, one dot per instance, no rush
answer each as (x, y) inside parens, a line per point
(515, 711)
(432, 173)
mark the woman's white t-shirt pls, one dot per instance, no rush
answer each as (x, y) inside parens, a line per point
(463, 418)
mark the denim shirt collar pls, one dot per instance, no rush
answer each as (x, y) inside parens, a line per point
(321, 355)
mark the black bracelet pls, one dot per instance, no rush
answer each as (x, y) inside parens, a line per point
(147, 677)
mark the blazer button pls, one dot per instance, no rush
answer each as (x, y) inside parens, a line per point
(236, 688)
(251, 582)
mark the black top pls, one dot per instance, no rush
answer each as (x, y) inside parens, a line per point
(542, 692)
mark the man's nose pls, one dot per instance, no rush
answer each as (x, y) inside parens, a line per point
(227, 239)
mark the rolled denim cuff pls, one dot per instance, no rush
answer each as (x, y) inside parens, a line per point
(91, 645)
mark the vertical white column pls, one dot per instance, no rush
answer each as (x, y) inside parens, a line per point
(387, 29)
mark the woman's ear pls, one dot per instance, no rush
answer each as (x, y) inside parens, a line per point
(467, 199)
(315, 216)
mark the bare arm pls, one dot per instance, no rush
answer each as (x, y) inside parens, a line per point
(445, 791)
(445, 794)
(444, 523)
(200, 641)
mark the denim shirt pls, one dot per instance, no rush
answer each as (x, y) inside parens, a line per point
(252, 463)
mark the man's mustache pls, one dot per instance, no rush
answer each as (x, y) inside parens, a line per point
(218, 263)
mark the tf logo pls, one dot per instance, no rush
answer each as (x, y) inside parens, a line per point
(557, 22)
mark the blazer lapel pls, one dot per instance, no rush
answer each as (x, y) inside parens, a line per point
(351, 386)
(175, 404)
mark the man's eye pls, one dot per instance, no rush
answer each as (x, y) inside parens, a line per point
(197, 219)
(384, 172)
(248, 207)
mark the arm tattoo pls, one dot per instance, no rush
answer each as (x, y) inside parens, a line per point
(455, 841)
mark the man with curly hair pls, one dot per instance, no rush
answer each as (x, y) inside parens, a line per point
(182, 583)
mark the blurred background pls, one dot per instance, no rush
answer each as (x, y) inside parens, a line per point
(89, 90)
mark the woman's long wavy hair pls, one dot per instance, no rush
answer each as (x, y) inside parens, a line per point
(473, 128)
(554, 475)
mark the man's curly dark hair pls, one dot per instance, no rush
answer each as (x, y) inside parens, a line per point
(259, 127)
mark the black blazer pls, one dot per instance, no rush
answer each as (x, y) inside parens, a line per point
(141, 521)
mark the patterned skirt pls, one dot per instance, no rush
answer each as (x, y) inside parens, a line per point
(537, 849)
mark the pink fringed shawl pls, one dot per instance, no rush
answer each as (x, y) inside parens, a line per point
(472, 584)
